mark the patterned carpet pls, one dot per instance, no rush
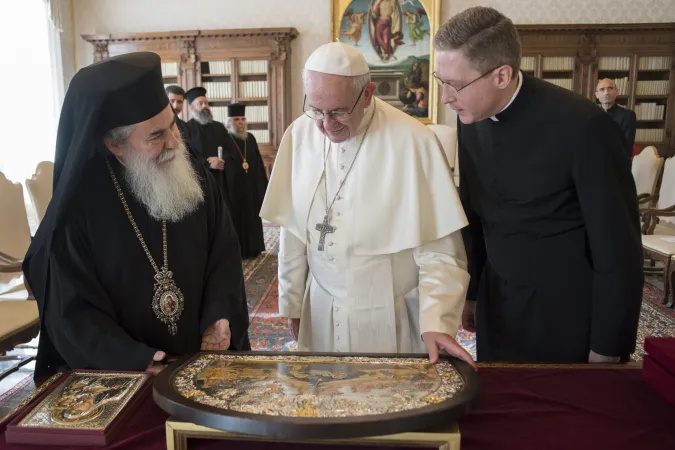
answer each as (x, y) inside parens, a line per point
(269, 331)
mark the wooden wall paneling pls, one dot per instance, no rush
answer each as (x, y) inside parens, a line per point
(191, 48)
(590, 43)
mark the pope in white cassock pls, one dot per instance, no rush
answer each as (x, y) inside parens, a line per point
(371, 257)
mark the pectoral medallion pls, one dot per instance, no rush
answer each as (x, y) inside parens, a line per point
(245, 166)
(167, 303)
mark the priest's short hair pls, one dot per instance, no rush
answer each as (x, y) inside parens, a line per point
(487, 38)
(175, 90)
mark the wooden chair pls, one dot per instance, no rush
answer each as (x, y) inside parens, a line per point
(14, 240)
(447, 137)
(658, 228)
(660, 218)
(40, 187)
(19, 320)
(647, 168)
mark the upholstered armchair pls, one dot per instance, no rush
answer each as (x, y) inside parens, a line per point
(660, 218)
(19, 320)
(658, 229)
(647, 167)
(14, 239)
(40, 187)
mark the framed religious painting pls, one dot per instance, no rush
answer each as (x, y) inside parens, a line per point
(81, 408)
(305, 396)
(396, 37)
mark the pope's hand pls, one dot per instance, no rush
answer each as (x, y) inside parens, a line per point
(217, 336)
(153, 367)
(294, 327)
(441, 341)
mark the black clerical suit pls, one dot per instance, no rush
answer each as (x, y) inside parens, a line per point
(627, 121)
(553, 241)
(247, 188)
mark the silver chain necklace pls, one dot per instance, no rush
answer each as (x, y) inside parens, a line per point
(325, 227)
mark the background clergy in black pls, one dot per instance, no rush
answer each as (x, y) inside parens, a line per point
(176, 96)
(90, 275)
(553, 239)
(606, 93)
(247, 188)
(205, 136)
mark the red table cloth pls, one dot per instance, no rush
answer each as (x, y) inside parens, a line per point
(521, 407)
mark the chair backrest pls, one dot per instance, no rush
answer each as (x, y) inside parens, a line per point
(447, 136)
(14, 234)
(667, 191)
(646, 168)
(14, 228)
(40, 187)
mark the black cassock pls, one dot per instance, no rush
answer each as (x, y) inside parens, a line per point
(98, 298)
(627, 121)
(247, 192)
(204, 141)
(185, 134)
(553, 241)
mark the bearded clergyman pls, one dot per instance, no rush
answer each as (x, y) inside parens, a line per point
(136, 259)
(207, 138)
(246, 181)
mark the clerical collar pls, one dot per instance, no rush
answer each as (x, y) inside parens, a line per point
(520, 84)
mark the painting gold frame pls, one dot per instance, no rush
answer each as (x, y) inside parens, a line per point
(447, 438)
(432, 8)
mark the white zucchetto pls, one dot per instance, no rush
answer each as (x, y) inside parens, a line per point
(337, 58)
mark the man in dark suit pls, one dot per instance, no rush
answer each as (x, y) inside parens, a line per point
(176, 96)
(606, 93)
(553, 240)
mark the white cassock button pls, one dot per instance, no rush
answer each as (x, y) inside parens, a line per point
(344, 150)
(342, 166)
(337, 214)
(337, 309)
(339, 197)
(337, 324)
(338, 338)
(330, 244)
(331, 258)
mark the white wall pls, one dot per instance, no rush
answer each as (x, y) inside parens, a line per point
(573, 11)
(68, 40)
(28, 92)
(312, 19)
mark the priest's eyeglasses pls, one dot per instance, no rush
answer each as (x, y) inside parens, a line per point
(454, 90)
(338, 114)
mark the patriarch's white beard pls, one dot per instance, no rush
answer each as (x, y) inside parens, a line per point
(168, 186)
